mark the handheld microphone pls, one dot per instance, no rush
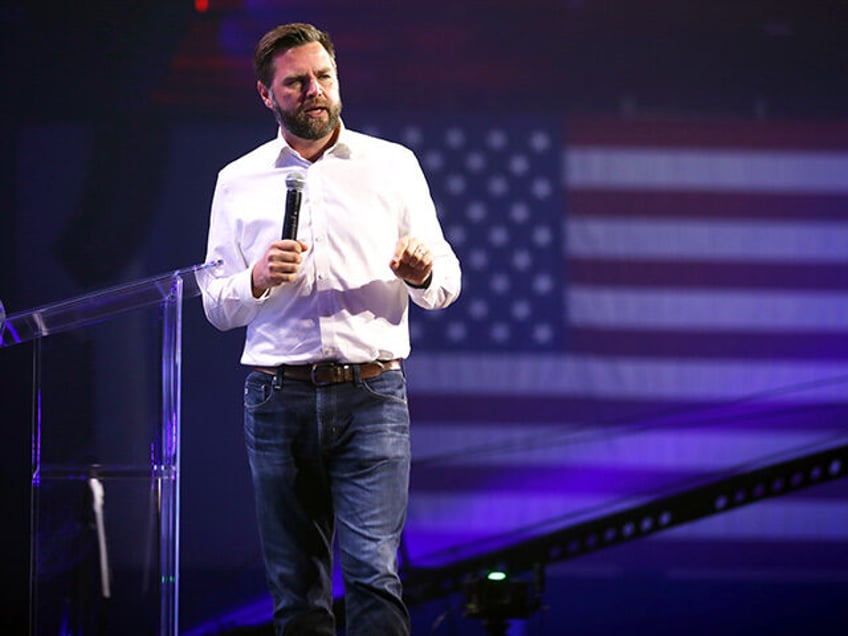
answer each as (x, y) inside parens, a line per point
(295, 182)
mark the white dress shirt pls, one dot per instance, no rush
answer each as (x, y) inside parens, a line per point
(346, 304)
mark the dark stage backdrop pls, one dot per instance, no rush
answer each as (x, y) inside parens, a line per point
(651, 215)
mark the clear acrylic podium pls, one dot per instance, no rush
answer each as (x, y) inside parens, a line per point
(106, 370)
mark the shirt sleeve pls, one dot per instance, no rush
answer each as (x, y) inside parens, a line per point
(422, 222)
(228, 300)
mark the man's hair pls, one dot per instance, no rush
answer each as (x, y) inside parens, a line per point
(283, 38)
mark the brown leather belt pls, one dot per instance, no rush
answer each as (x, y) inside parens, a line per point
(325, 373)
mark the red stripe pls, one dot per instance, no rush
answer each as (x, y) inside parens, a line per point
(704, 205)
(706, 275)
(742, 134)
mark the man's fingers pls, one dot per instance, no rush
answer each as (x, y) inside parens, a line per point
(280, 264)
(400, 248)
(420, 254)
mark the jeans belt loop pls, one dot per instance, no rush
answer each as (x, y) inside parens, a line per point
(312, 376)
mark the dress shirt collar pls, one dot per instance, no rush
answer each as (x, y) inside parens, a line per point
(343, 148)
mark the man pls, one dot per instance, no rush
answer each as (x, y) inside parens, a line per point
(326, 417)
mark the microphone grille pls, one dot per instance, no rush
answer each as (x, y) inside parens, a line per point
(296, 180)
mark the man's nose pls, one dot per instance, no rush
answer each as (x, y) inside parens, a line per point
(312, 88)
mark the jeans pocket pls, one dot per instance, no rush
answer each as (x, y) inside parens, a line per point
(390, 385)
(257, 390)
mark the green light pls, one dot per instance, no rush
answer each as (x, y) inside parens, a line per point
(496, 576)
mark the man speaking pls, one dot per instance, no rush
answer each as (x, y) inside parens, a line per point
(325, 412)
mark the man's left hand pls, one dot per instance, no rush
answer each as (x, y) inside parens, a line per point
(412, 261)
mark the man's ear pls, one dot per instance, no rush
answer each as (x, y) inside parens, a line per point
(265, 95)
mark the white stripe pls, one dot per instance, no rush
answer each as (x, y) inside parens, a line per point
(574, 447)
(711, 170)
(706, 310)
(705, 240)
(621, 377)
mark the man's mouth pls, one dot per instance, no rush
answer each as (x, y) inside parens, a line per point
(315, 110)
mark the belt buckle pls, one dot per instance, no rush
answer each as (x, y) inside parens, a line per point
(313, 373)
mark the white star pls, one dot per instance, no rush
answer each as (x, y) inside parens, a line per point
(412, 136)
(475, 162)
(541, 188)
(476, 211)
(542, 235)
(478, 309)
(500, 332)
(521, 310)
(498, 236)
(455, 138)
(522, 260)
(519, 165)
(519, 212)
(434, 160)
(499, 283)
(496, 139)
(543, 284)
(540, 141)
(543, 333)
(479, 259)
(456, 184)
(456, 234)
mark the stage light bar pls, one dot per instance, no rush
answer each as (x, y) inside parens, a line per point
(423, 584)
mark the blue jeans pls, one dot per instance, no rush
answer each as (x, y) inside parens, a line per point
(325, 460)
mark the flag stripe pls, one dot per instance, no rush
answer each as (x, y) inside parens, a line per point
(484, 409)
(784, 346)
(692, 274)
(699, 133)
(728, 170)
(682, 557)
(677, 312)
(534, 376)
(704, 204)
(709, 240)
(684, 451)
(495, 480)
(707, 310)
(796, 519)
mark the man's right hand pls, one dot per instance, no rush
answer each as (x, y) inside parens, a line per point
(279, 265)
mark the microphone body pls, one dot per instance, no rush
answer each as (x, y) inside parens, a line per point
(294, 195)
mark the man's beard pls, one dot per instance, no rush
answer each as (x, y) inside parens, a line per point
(301, 125)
